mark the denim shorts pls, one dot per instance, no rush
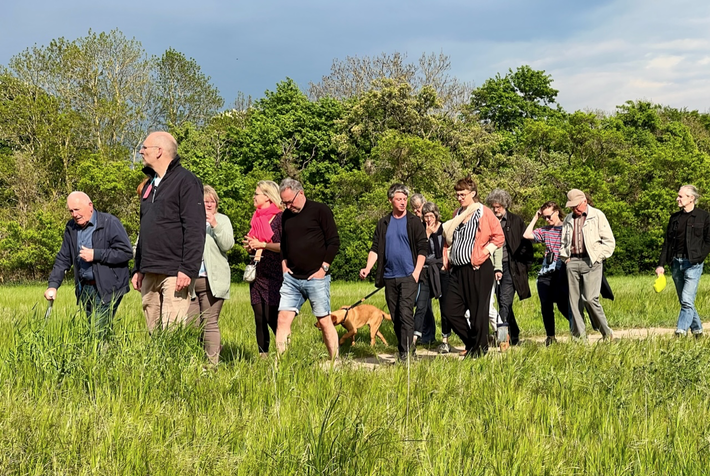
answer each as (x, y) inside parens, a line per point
(295, 291)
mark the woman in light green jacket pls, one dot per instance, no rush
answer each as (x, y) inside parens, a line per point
(212, 286)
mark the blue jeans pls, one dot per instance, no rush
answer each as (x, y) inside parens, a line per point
(686, 277)
(294, 292)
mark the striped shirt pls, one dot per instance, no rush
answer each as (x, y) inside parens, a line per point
(463, 240)
(551, 237)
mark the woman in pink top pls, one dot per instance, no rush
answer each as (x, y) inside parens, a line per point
(472, 236)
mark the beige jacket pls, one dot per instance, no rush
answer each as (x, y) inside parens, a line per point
(218, 241)
(597, 236)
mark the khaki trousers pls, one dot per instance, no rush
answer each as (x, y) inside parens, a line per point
(204, 312)
(163, 306)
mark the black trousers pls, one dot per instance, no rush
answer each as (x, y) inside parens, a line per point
(400, 297)
(444, 286)
(505, 299)
(265, 319)
(554, 289)
(424, 317)
(470, 289)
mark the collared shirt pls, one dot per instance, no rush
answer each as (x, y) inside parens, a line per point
(84, 239)
(578, 246)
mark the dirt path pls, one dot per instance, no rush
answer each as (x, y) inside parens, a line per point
(431, 353)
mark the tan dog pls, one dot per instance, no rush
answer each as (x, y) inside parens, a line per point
(358, 317)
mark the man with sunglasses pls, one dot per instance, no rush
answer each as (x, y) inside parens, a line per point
(586, 240)
(172, 234)
(310, 242)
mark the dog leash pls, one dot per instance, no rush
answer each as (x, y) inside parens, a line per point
(360, 301)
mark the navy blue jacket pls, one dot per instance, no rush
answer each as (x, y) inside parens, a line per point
(112, 252)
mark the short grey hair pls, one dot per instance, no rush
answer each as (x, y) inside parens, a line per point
(397, 188)
(499, 196)
(417, 200)
(692, 191)
(291, 184)
(430, 207)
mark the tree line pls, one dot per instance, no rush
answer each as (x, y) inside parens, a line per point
(73, 114)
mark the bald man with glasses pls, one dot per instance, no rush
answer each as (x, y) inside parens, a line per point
(172, 235)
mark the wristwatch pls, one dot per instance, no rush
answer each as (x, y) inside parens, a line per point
(325, 267)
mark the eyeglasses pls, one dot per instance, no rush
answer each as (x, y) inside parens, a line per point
(144, 147)
(462, 194)
(288, 203)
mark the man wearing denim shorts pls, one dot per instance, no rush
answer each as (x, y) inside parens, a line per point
(310, 242)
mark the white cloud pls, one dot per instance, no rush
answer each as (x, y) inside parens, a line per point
(664, 62)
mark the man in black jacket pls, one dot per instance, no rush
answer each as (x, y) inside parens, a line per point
(97, 245)
(685, 247)
(517, 256)
(172, 234)
(400, 246)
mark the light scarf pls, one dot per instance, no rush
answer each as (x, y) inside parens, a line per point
(450, 225)
(260, 227)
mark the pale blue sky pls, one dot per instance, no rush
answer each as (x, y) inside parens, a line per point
(600, 54)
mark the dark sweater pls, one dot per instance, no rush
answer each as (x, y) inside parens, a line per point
(172, 235)
(309, 238)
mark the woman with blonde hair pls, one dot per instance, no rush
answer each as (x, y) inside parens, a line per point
(212, 287)
(264, 240)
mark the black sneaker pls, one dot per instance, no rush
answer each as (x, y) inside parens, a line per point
(550, 340)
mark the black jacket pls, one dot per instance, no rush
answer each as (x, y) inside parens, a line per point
(697, 237)
(112, 252)
(172, 233)
(520, 253)
(417, 239)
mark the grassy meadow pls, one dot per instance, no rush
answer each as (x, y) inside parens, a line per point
(69, 405)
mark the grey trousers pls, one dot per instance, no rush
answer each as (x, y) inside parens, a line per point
(584, 291)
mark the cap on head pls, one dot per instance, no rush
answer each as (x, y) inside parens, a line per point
(575, 197)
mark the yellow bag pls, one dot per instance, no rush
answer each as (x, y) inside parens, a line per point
(660, 283)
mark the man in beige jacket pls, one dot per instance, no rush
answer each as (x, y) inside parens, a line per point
(586, 240)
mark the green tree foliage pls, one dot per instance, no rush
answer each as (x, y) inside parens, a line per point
(183, 92)
(73, 113)
(506, 102)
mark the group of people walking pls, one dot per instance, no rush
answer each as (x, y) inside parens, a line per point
(182, 271)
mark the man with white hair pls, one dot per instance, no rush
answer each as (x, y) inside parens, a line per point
(98, 247)
(586, 241)
(685, 247)
(172, 234)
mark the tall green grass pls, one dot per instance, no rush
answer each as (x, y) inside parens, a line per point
(140, 405)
